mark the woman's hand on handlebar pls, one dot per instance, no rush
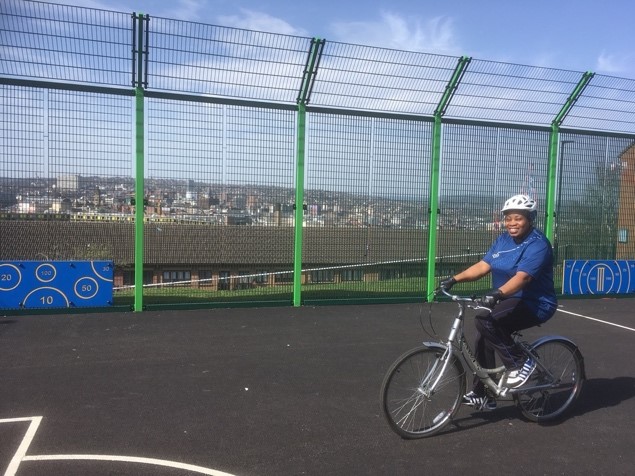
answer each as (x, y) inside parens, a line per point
(447, 284)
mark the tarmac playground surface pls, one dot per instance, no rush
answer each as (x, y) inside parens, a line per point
(286, 391)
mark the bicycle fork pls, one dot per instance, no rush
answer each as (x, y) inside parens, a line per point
(426, 388)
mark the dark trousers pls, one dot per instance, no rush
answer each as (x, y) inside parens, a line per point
(495, 336)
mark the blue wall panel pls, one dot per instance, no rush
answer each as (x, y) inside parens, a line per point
(55, 284)
(598, 277)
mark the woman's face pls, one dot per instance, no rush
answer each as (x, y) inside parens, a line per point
(517, 224)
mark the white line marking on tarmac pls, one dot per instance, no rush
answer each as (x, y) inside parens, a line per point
(26, 441)
(20, 454)
(130, 459)
(598, 320)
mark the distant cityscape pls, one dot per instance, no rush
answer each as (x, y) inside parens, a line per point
(112, 198)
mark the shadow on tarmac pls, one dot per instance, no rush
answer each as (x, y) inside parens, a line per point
(477, 419)
(599, 393)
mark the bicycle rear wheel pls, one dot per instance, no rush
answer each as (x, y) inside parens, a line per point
(563, 374)
(412, 407)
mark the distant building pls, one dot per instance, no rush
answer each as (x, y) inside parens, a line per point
(59, 205)
(221, 257)
(626, 214)
(71, 182)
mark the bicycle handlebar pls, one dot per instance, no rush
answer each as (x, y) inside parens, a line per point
(456, 297)
(464, 299)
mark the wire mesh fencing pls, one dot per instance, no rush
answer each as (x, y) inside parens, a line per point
(277, 166)
(365, 225)
(228, 62)
(588, 201)
(66, 43)
(219, 185)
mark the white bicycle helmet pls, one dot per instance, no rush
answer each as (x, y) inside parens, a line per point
(520, 202)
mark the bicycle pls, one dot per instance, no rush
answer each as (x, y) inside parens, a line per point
(423, 389)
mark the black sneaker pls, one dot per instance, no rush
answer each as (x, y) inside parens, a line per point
(478, 402)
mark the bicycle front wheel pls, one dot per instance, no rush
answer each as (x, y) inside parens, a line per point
(420, 393)
(558, 384)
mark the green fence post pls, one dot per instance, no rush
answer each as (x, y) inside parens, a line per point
(553, 152)
(435, 169)
(139, 174)
(299, 206)
(551, 181)
(435, 172)
(139, 197)
(308, 79)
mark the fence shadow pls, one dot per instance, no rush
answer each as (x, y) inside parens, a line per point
(4, 324)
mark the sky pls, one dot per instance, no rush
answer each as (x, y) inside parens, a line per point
(579, 35)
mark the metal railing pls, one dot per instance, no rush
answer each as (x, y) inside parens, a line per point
(277, 168)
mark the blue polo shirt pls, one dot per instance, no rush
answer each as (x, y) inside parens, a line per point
(534, 256)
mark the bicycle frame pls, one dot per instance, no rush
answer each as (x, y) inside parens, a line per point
(458, 346)
(422, 390)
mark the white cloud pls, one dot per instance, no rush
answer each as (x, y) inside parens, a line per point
(260, 21)
(392, 30)
(614, 64)
(187, 10)
(545, 60)
(100, 5)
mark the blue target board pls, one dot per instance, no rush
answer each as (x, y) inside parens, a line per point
(598, 277)
(55, 284)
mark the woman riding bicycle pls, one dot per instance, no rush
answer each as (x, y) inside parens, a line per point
(523, 295)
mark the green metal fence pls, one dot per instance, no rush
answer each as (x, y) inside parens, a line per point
(219, 166)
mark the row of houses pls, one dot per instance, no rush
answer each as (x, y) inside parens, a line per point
(233, 257)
